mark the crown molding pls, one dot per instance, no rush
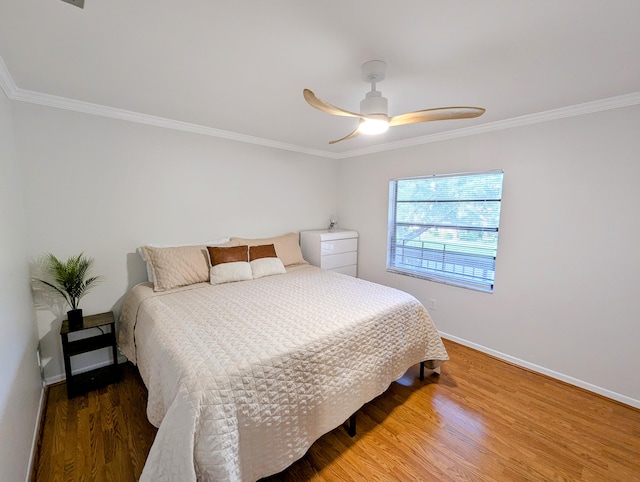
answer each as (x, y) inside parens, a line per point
(546, 116)
(126, 115)
(22, 95)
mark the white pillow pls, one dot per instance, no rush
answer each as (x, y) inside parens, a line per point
(156, 245)
(266, 267)
(230, 272)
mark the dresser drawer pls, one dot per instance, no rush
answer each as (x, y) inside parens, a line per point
(338, 246)
(339, 260)
(335, 250)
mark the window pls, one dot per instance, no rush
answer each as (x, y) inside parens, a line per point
(445, 228)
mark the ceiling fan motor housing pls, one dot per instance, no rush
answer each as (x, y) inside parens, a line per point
(374, 103)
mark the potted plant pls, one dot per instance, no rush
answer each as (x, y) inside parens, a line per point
(69, 279)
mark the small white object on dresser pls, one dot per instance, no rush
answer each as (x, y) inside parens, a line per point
(336, 250)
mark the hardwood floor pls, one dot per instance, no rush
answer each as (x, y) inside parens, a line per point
(481, 420)
(101, 436)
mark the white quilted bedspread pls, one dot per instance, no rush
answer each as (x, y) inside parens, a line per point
(244, 377)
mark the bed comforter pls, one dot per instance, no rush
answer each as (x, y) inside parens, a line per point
(244, 377)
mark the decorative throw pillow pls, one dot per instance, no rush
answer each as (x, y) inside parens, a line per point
(229, 264)
(177, 266)
(262, 267)
(228, 254)
(262, 251)
(287, 247)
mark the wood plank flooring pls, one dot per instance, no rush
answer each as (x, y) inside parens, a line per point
(481, 420)
(101, 436)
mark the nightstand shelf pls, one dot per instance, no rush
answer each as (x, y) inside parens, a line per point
(89, 344)
(83, 382)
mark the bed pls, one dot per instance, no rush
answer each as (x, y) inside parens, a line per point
(243, 377)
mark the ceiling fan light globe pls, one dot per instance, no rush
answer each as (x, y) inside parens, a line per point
(372, 127)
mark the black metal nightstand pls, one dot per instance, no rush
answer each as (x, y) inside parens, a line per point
(83, 382)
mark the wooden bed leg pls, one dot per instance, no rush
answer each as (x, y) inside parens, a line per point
(422, 371)
(351, 426)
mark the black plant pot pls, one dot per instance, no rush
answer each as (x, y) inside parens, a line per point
(75, 318)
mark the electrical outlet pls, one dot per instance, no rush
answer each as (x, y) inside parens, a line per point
(432, 304)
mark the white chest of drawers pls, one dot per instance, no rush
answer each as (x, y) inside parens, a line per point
(336, 250)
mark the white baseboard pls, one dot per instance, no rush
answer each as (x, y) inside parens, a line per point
(54, 379)
(545, 371)
(61, 377)
(36, 434)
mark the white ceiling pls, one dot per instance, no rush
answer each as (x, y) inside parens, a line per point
(240, 66)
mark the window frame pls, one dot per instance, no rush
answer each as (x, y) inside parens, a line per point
(451, 267)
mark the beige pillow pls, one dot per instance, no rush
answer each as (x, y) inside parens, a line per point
(216, 242)
(177, 266)
(287, 247)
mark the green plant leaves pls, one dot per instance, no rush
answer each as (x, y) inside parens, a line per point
(69, 278)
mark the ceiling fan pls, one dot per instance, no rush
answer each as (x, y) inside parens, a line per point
(373, 117)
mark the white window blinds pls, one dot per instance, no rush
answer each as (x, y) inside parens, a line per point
(445, 228)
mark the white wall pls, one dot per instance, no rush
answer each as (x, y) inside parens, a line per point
(567, 262)
(105, 186)
(566, 291)
(20, 382)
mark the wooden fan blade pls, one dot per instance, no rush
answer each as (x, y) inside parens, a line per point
(323, 106)
(441, 113)
(350, 135)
